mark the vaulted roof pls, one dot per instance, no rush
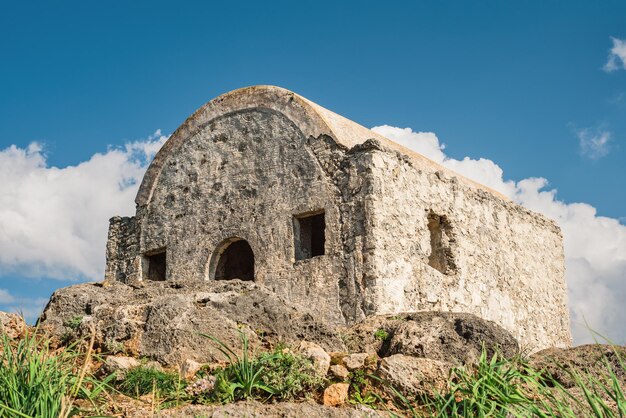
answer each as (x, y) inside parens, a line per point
(311, 118)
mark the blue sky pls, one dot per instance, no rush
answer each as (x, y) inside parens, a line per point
(516, 83)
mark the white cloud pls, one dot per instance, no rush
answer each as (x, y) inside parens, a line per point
(29, 308)
(617, 56)
(53, 221)
(594, 143)
(595, 246)
(6, 297)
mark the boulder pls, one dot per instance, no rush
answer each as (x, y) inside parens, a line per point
(445, 336)
(355, 361)
(189, 368)
(119, 365)
(412, 375)
(319, 357)
(339, 371)
(12, 325)
(590, 359)
(164, 320)
(336, 394)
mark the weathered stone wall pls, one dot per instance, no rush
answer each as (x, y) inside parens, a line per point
(506, 263)
(123, 261)
(246, 175)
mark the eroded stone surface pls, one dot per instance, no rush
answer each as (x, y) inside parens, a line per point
(317, 355)
(163, 321)
(411, 375)
(446, 336)
(12, 325)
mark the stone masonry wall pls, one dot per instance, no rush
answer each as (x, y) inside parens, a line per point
(247, 175)
(506, 263)
(123, 261)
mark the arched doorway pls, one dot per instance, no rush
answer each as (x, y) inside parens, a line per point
(233, 259)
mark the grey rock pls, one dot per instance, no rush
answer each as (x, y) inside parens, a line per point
(163, 321)
(412, 375)
(339, 371)
(319, 357)
(446, 336)
(355, 361)
(119, 365)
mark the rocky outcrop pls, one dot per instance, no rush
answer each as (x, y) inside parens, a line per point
(591, 360)
(456, 338)
(163, 320)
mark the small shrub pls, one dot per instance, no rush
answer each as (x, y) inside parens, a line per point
(241, 379)
(73, 323)
(143, 380)
(381, 334)
(290, 375)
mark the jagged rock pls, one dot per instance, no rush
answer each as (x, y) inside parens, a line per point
(189, 368)
(252, 409)
(319, 357)
(163, 320)
(339, 371)
(12, 325)
(446, 336)
(336, 394)
(355, 361)
(119, 365)
(412, 375)
(592, 359)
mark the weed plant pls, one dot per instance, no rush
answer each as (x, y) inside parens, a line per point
(36, 381)
(145, 380)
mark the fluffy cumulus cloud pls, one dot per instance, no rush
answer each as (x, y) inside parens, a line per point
(594, 143)
(53, 221)
(617, 56)
(595, 246)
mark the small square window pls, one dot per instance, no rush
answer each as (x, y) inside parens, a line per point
(156, 266)
(310, 235)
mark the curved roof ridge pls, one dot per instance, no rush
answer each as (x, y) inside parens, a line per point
(312, 119)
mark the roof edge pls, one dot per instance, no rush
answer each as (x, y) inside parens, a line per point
(312, 119)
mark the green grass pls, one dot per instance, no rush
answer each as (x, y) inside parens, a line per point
(290, 375)
(38, 382)
(499, 387)
(144, 380)
(280, 375)
(381, 334)
(241, 379)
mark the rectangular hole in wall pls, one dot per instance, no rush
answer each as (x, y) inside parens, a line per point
(156, 266)
(310, 235)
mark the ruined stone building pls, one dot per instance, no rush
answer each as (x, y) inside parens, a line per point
(262, 184)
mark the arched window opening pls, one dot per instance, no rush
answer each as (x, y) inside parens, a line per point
(234, 261)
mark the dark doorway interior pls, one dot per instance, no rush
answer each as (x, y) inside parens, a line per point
(310, 235)
(236, 262)
(156, 266)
